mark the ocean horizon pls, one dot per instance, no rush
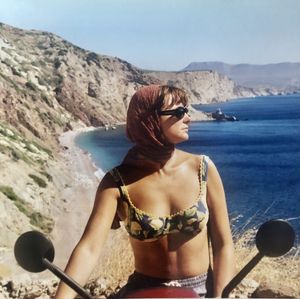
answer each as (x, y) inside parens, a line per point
(258, 157)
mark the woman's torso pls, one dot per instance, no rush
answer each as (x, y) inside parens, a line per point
(179, 192)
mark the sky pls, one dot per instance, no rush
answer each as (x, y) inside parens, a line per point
(168, 34)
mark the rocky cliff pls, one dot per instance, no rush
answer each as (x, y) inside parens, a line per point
(204, 87)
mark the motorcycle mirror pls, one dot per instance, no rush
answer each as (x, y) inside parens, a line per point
(275, 238)
(31, 248)
(35, 253)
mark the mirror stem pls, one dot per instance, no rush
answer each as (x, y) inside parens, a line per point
(241, 275)
(66, 279)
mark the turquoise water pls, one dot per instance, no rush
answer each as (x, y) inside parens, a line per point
(258, 157)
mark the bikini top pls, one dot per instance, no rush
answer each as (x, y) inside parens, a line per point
(148, 227)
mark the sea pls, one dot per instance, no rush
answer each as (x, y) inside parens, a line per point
(258, 157)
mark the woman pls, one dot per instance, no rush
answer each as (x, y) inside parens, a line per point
(165, 198)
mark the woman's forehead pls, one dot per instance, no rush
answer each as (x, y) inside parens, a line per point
(173, 101)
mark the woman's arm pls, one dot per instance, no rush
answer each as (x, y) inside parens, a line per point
(220, 234)
(86, 253)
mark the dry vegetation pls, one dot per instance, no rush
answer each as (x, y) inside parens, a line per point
(116, 263)
(282, 271)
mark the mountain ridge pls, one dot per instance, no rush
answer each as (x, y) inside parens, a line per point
(282, 75)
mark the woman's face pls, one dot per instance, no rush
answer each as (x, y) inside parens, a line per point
(175, 129)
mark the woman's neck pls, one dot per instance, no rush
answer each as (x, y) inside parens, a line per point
(151, 163)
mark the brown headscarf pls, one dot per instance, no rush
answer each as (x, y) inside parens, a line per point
(143, 126)
(143, 123)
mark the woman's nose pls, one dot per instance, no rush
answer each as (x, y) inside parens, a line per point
(186, 118)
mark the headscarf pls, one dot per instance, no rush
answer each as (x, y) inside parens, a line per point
(143, 126)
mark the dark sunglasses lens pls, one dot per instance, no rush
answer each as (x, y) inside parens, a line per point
(180, 112)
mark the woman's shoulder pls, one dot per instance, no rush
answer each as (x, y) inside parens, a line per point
(193, 158)
(108, 181)
(198, 162)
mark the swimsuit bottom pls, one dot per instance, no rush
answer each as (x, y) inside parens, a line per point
(201, 284)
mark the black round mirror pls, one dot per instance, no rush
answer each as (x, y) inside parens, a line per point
(275, 238)
(30, 249)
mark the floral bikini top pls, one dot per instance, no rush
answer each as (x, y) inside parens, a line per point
(147, 227)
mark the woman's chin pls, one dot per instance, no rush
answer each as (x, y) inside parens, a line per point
(183, 138)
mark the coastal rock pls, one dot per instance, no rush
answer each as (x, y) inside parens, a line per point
(274, 290)
(245, 288)
(42, 289)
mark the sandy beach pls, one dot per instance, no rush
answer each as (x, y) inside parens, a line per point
(79, 196)
(114, 265)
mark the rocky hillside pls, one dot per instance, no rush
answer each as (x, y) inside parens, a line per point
(48, 86)
(48, 83)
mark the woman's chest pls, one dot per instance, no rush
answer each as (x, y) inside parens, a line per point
(164, 195)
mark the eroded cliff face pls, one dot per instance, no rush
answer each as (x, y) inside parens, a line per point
(204, 87)
(48, 86)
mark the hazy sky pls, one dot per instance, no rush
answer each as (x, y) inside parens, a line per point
(168, 34)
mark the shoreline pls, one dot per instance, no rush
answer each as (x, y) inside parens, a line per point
(79, 195)
(72, 220)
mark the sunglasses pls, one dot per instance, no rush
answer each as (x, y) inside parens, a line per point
(179, 112)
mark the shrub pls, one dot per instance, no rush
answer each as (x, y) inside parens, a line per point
(35, 63)
(57, 121)
(16, 72)
(57, 63)
(41, 45)
(41, 81)
(31, 86)
(49, 152)
(44, 116)
(7, 62)
(47, 175)
(41, 221)
(39, 181)
(36, 218)
(62, 52)
(34, 98)
(42, 63)
(9, 192)
(18, 155)
(46, 99)
(3, 149)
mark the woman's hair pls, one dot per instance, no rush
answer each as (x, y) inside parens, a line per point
(172, 94)
(143, 122)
